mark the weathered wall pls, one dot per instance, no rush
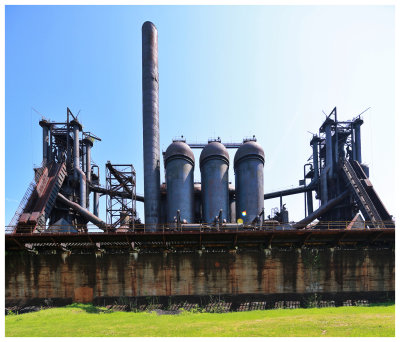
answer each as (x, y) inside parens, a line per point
(85, 277)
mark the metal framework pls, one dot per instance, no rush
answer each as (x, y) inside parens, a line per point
(121, 210)
(196, 240)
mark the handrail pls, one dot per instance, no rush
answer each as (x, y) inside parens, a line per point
(267, 226)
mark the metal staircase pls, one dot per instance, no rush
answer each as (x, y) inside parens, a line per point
(42, 197)
(358, 185)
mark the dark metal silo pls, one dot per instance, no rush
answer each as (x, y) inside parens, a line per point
(214, 165)
(151, 134)
(179, 169)
(249, 181)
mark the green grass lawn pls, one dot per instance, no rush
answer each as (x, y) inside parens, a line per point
(84, 320)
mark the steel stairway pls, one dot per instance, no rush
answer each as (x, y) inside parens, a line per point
(42, 199)
(368, 201)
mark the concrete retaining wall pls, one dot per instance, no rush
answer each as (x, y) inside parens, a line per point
(87, 277)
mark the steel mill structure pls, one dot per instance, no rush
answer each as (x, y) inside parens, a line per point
(194, 228)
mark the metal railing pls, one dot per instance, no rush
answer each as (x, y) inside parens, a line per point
(230, 227)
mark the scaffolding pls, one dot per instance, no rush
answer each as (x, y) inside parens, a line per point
(121, 195)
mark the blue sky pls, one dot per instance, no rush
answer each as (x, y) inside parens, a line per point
(228, 71)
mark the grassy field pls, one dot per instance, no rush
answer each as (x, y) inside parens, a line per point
(86, 320)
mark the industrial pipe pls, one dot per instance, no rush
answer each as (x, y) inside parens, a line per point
(310, 208)
(357, 137)
(83, 161)
(84, 212)
(321, 210)
(324, 185)
(78, 173)
(151, 134)
(88, 168)
(82, 187)
(122, 194)
(292, 191)
(46, 139)
(328, 146)
(314, 143)
(96, 195)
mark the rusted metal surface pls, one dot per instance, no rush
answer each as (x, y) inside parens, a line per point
(85, 277)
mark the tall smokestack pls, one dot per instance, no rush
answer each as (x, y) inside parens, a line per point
(151, 134)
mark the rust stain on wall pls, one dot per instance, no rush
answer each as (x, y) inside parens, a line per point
(83, 294)
(85, 277)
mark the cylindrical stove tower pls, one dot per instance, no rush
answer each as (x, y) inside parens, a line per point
(179, 168)
(214, 165)
(151, 134)
(249, 181)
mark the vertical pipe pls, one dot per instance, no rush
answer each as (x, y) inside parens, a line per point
(309, 202)
(357, 137)
(232, 206)
(75, 129)
(83, 157)
(67, 138)
(78, 173)
(336, 148)
(353, 145)
(151, 135)
(314, 143)
(328, 146)
(324, 187)
(46, 139)
(88, 144)
(82, 189)
(96, 195)
(50, 154)
(88, 165)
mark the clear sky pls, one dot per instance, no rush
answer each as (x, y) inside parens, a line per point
(228, 71)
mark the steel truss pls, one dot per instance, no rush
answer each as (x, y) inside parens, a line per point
(121, 211)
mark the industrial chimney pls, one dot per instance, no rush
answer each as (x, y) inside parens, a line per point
(151, 133)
